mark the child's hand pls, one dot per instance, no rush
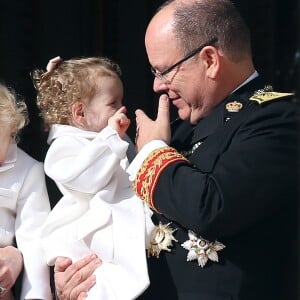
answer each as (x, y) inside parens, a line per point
(53, 63)
(119, 121)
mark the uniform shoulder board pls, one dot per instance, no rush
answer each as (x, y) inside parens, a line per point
(267, 94)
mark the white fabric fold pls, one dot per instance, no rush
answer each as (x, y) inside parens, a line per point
(98, 212)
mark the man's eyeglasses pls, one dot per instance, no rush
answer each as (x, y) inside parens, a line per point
(162, 75)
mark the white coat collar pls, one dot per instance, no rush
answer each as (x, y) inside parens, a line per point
(58, 130)
(11, 158)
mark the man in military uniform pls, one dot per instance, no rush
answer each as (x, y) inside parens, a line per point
(224, 188)
(230, 184)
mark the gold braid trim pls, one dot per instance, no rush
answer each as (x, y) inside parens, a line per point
(148, 175)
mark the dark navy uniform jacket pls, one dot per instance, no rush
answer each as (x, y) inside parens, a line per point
(241, 189)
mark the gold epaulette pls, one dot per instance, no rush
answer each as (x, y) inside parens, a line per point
(262, 97)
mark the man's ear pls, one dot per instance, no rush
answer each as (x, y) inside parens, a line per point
(78, 113)
(211, 58)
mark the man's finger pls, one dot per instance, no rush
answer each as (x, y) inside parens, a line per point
(61, 264)
(163, 114)
(141, 117)
(88, 262)
(80, 292)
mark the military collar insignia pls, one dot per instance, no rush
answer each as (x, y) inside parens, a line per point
(201, 249)
(162, 239)
(267, 94)
(234, 106)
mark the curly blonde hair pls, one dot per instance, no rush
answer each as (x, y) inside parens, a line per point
(13, 109)
(70, 81)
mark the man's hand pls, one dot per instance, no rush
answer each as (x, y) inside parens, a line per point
(148, 130)
(73, 280)
(11, 264)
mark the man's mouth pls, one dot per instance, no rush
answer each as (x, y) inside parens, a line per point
(174, 99)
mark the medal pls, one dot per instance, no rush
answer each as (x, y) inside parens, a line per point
(162, 240)
(201, 249)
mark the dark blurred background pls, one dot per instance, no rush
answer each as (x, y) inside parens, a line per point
(34, 31)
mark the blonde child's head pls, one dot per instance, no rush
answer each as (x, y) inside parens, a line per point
(72, 80)
(13, 111)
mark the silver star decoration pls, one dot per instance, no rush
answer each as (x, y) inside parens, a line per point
(201, 249)
(162, 240)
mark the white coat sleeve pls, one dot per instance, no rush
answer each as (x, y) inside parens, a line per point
(32, 209)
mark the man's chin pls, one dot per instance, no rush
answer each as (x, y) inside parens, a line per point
(195, 117)
(184, 115)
